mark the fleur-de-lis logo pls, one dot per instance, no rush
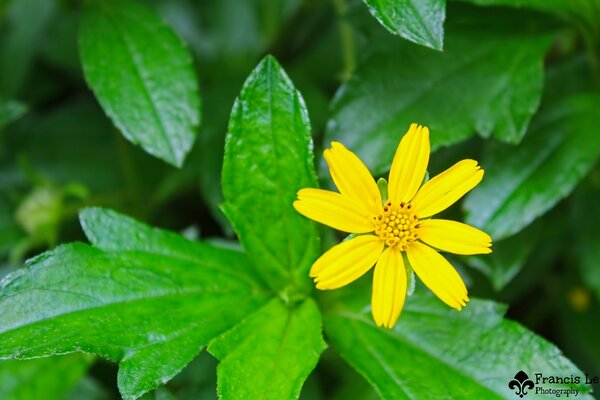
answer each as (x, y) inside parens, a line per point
(521, 383)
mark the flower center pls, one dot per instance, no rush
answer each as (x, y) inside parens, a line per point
(397, 225)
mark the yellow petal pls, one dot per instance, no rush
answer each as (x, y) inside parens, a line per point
(454, 237)
(346, 262)
(409, 164)
(352, 178)
(334, 210)
(389, 288)
(438, 275)
(446, 188)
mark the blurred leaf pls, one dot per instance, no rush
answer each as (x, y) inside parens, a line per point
(436, 352)
(228, 36)
(88, 389)
(151, 310)
(10, 111)
(421, 22)
(523, 182)
(219, 100)
(41, 212)
(143, 77)
(54, 144)
(60, 48)
(270, 354)
(567, 77)
(42, 378)
(577, 327)
(466, 89)
(198, 380)
(25, 25)
(159, 394)
(508, 257)
(268, 157)
(585, 221)
(580, 11)
(10, 233)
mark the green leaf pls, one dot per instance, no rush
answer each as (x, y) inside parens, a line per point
(524, 182)
(437, 352)
(466, 89)
(111, 231)
(10, 111)
(143, 77)
(268, 158)
(421, 22)
(151, 310)
(271, 353)
(42, 378)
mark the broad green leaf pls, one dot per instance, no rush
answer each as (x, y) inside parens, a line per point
(270, 354)
(151, 311)
(508, 256)
(23, 32)
(436, 352)
(42, 378)
(466, 89)
(268, 158)
(142, 75)
(111, 231)
(421, 22)
(10, 111)
(523, 182)
(585, 218)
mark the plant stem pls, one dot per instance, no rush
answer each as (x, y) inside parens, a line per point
(348, 49)
(129, 173)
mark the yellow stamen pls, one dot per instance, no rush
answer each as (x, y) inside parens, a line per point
(397, 225)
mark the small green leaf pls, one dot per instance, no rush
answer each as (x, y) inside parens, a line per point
(42, 378)
(268, 158)
(490, 86)
(523, 182)
(419, 21)
(151, 310)
(10, 111)
(271, 353)
(142, 75)
(436, 352)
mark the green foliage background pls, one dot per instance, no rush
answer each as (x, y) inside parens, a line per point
(204, 118)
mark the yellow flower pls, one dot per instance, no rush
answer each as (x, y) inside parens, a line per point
(400, 224)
